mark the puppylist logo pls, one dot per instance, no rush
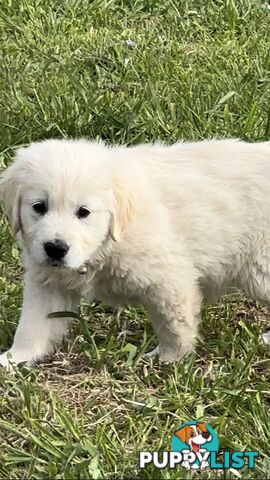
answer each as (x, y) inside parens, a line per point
(195, 446)
(195, 441)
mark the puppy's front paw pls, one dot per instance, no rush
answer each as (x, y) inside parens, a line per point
(170, 354)
(10, 359)
(6, 361)
(185, 465)
(204, 465)
(266, 338)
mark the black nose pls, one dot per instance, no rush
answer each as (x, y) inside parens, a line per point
(206, 435)
(56, 250)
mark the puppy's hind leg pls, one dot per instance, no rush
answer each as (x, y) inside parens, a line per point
(175, 314)
(266, 338)
(37, 334)
(258, 283)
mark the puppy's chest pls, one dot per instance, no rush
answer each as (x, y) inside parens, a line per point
(114, 285)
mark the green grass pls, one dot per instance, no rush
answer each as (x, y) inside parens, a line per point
(197, 69)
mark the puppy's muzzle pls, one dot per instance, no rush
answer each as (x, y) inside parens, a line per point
(56, 250)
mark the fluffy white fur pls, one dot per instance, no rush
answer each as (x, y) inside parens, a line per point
(169, 227)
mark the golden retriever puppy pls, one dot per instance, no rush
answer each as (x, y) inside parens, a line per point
(164, 226)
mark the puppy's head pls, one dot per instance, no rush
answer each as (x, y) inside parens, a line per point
(194, 435)
(66, 200)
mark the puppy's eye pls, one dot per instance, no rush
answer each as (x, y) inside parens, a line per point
(40, 207)
(83, 212)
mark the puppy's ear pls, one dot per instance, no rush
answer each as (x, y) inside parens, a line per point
(202, 426)
(122, 212)
(182, 433)
(10, 187)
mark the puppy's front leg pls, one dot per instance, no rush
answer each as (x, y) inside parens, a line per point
(37, 334)
(175, 316)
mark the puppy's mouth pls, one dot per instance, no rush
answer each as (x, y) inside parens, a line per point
(82, 270)
(56, 263)
(195, 446)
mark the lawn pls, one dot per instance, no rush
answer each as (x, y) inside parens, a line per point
(131, 71)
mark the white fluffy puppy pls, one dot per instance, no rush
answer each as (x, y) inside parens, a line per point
(165, 226)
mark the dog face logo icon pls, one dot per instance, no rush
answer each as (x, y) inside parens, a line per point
(194, 435)
(195, 440)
